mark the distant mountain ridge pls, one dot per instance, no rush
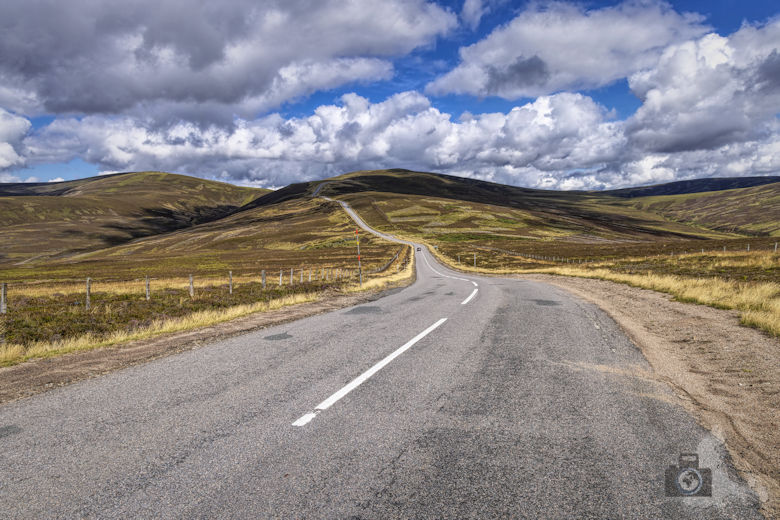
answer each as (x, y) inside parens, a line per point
(692, 186)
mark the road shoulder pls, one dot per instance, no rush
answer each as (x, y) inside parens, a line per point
(725, 375)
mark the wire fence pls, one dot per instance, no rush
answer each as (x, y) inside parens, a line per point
(472, 258)
(311, 277)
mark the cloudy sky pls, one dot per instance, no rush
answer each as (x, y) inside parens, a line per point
(586, 95)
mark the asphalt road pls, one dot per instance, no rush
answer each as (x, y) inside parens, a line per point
(457, 397)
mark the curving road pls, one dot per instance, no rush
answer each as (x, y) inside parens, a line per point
(457, 397)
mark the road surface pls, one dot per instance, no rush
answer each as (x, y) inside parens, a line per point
(458, 397)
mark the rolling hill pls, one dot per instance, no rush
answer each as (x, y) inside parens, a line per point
(465, 216)
(158, 223)
(43, 221)
(408, 201)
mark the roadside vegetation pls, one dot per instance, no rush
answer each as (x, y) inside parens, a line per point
(43, 322)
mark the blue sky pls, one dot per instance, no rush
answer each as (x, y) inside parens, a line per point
(544, 94)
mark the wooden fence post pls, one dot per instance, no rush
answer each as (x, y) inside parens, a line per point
(148, 292)
(3, 303)
(88, 288)
(192, 288)
(230, 281)
(263, 275)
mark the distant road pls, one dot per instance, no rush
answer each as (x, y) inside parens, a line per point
(458, 397)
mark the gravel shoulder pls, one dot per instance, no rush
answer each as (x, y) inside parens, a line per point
(725, 375)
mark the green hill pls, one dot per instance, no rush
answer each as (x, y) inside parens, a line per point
(160, 223)
(48, 220)
(465, 215)
(748, 211)
(427, 204)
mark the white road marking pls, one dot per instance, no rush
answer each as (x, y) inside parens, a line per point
(444, 275)
(305, 419)
(473, 293)
(475, 283)
(330, 401)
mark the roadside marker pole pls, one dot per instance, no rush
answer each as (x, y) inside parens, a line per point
(230, 281)
(748, 248)
(280, 277)
(775, 247)
(360, 268)
(291, 276)
(148, 292)
(262, 273)
(475, 259)
(301, 275)
(192, 288)
(88, 287)
(309, 274)
(3, 304)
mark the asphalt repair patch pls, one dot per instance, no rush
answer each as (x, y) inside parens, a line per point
(278, 337)
(365, 309)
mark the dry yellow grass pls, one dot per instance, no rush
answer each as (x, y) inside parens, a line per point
(378, 283)
(719, 259)
(11, 354)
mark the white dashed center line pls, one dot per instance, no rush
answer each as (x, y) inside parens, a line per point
(473, 293)
(330, 401)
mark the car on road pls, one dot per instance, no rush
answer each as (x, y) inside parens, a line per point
(419, 249)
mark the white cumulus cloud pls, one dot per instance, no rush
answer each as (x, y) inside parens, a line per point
(13, 128)
(562, 46)
(710, 92)
(200, 59)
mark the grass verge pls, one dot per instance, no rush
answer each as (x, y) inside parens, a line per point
(15, 353)
(12, 354)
